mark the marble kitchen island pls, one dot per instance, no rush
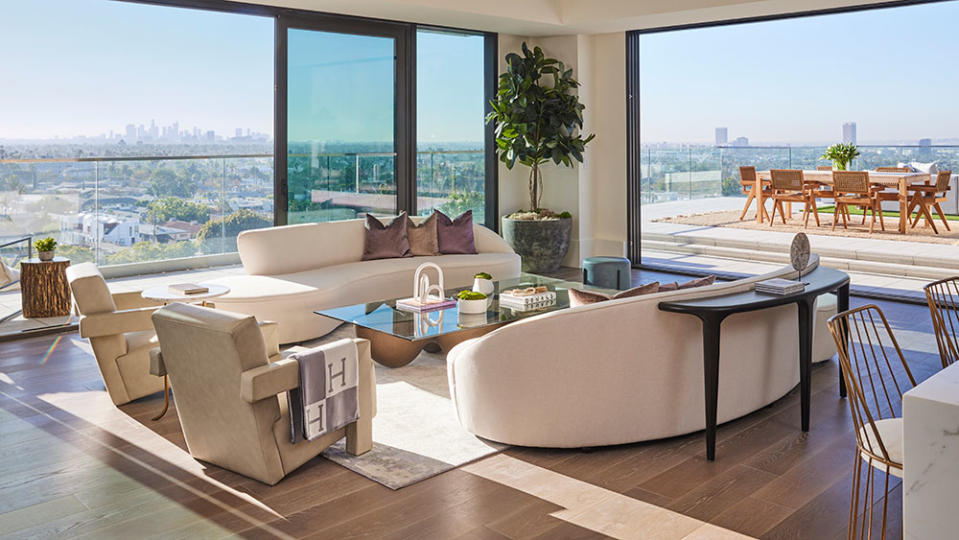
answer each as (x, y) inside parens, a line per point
(931, 457)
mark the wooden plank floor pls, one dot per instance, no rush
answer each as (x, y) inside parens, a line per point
(72, 464)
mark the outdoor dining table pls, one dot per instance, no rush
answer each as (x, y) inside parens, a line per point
(899, 180)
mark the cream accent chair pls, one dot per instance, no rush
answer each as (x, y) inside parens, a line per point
(231, 398)
(120, 331)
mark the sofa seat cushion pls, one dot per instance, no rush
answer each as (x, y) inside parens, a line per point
(331, 281)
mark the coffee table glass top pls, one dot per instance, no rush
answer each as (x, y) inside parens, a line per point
(383, 316)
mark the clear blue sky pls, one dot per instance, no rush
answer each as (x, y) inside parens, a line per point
(85, 67)
(895, 72)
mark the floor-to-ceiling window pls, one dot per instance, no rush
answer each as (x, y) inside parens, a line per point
(775, 93)
(132, 133)
(450, 132)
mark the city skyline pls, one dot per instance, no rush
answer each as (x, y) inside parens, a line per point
(795, 81)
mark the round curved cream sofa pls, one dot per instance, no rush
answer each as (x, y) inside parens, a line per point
(622, 371)
(295, 269)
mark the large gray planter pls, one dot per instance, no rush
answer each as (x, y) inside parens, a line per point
(541, 244)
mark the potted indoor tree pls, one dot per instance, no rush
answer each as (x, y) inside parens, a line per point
(538, 118)
(841, 155)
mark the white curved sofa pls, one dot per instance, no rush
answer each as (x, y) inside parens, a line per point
(295, 269)
(621, 371)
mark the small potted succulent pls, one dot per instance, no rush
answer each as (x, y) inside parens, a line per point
(471, 302)
(45, 248)
(483, 282)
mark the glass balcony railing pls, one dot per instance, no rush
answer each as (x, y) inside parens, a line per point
(120, 210)
(699, 172)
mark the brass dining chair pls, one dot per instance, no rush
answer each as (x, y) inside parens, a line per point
(876, 375)
(747, 181)
(852, 188)
(943, 299)
(788, 185)
(930, 196)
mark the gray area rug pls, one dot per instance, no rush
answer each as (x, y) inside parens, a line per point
(416, 434)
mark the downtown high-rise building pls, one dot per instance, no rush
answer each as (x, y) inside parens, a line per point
(722, 136)
(849, 133)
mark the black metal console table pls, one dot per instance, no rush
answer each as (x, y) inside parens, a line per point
(712, 311)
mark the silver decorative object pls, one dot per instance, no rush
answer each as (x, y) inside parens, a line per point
(799, 253)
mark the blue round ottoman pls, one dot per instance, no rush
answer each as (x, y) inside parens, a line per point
(607, 272)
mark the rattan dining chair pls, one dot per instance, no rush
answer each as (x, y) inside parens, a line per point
(893, 169)
(943, 299)
(875, 382)
(747, 180)
(788, 185)
(853, 188)
(926, 196)
(823, 167)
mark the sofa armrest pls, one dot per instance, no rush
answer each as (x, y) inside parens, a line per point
(133, 300)
(157, 367)
(269, 380)
(271, 337)
(117, 322)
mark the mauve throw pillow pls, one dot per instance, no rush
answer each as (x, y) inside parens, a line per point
(701, 282)
(386, 241)
(455, 236)
(422, 237)
(580, 298)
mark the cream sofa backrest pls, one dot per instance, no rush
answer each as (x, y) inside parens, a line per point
(297, 248)
(204, 352)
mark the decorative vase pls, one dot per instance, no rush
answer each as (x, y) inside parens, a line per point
(472, 306)
(46, 256)
(542, 244)
(483, 285)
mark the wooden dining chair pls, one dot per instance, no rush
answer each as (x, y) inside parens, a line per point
(747, 180)
(823, 167)
(926, 196)
(943, 299)
(876, 375)
(788, 185)
(852, 188)
(893, 169)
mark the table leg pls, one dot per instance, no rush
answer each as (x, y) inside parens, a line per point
(903, 205)
(166, 398)
(760, 203)
(711, 327)
(807, 311)
(842, 305)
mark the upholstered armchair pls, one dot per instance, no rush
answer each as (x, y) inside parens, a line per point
(231, 398)
(120, 331)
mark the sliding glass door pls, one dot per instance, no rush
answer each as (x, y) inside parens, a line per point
(341, 110)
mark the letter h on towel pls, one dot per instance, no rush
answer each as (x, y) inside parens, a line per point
(327, 398)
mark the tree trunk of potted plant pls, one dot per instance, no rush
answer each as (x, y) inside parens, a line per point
(535, 123)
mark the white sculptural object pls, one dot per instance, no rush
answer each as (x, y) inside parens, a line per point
(423, 289)
(425, 321)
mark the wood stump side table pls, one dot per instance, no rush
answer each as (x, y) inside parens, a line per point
(44, 289)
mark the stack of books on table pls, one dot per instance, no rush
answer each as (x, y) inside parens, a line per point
(430, 304)
(522, 300)
(780, 286)
(187, 288)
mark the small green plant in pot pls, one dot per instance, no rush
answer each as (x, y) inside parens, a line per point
(483, 282)
(471, 302)
(841, 155)
(45, 248)
(538, 118)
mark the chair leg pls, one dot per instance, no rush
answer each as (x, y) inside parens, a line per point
(864, 212)
(782, 211)
(882, 223)
(815, 211)
(942, 215)
(854, 497)
(928, 216)
(773, 216)
(749, 200)
(845, 224)
(835, 215)
(872, 222)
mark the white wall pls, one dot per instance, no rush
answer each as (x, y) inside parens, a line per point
(594, 191)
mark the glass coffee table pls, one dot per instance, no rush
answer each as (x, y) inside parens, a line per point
(397, 336)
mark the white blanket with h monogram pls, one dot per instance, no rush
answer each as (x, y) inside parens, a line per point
(327, 398)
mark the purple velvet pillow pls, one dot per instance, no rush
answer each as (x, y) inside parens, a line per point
(386, 241)
(455, 236)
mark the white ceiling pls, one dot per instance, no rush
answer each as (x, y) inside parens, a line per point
(557, 17)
